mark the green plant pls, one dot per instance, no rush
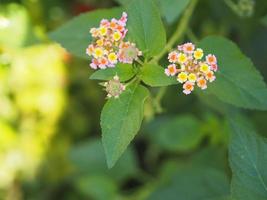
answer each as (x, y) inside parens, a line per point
(238, 83)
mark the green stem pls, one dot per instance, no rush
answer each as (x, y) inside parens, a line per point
(161, 93)
(158, 98)
(134, 79)
(139, 62)
(232, 5)
(179, 32)
(131, 81)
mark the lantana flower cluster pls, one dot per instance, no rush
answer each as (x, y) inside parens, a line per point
(108, 46)
(191, 67)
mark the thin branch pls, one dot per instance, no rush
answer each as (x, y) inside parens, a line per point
(179, 32)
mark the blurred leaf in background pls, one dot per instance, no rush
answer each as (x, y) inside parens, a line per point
(264, 20)
(88, 158)
(32, 98)
(192, 184)
(34, 90)
(177, 134)
(91, 174)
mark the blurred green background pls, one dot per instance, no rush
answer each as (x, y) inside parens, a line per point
(50, 145)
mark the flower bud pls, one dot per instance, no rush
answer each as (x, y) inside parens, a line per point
(114, 87)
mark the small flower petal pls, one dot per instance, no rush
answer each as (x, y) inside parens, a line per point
(188, 48)
(173, 57)
(188, 87)
(192, 77)
(211, 59)
(182, 58)
(202, 83)
(198, 54)
(204, 67)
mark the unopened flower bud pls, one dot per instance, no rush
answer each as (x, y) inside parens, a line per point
(114, 87)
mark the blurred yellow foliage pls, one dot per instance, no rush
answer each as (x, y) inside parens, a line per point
(13, 19)
(32, 99)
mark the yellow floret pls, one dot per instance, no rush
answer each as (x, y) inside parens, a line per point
(198, 54)
(117, 36)
(192, 77)
(98, 53)
(103, 31)
(182, 77)
(100, 42)
(112, 57)
(204, 68)
(182, 58)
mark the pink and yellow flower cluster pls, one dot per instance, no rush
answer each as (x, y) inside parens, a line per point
(108, 46)
(191, 68)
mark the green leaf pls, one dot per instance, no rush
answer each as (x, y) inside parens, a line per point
(124, 71)
(97, 187)
(169, 9)
(193, 183)
(264, 20)
(181, 133)
(172, 9)
(145, 27)
(213, 102)
(74, 35)
(238, 81)
(248, 161)
(214, 156)
(153, 75)
(120, 121)
(88, 158)
(222, 198)
(123, 2)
